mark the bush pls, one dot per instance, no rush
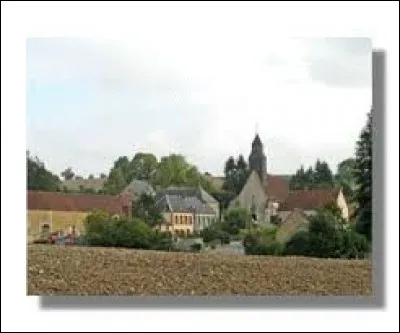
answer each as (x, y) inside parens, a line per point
(235, 220)
(196, 247)
(328, 237)
(298, 244)
(104, 230)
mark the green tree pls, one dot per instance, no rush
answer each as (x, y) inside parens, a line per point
(345, 178)
(236, 174)
(363, 179)
(235, 220)
(323, 176)
(175, 170)
(68, 174)
(115, 182)
(147, 210)
(143, 166)
(38, 177)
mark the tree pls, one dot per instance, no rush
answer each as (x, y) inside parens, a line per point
(91, 176)
(147, 210)
(103, 176)
(236, 174)
(143, 166)
(319, 177)
(68, 174)
(235, 220)
(298, 180)
(323, 176)
(38, 178)
(115, 182)
(175, 170)
(345, 177)
(363, 179)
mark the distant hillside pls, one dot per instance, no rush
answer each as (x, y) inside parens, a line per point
(95, 184)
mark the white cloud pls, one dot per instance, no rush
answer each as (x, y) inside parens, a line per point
(203, 96)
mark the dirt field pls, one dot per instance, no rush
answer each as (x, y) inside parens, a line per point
(59, 270)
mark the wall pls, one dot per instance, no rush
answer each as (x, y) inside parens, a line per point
(178, 223)
(295, 222)
(252, 188)
(341, 202)
(203, 221)
(57, 220)
(215, 207)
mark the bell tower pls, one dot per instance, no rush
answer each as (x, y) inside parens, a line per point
(257, 159)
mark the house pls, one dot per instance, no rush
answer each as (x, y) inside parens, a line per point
(138, 187)
(55, 211)
(311, 200)
(197, 192)
(184, 215)
(295, 222)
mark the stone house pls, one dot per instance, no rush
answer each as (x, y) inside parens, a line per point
(184, 215)
(311, 200)
(61, 212)
(197, 192)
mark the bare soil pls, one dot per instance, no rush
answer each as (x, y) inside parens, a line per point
(69, 270)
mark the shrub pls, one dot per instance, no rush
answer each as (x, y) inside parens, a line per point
(104, 230)
(196, 247)
(298, 244)
(235, 220)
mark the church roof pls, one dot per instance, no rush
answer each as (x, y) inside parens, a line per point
(257, 141)
(309, 199)
(277, 187)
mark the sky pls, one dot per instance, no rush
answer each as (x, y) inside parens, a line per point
(90, 101)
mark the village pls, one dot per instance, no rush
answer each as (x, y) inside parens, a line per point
(185, 212)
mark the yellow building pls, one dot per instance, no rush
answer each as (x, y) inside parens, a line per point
(49, 212)
(184, 215)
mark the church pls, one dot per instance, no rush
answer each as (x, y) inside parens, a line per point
(262, 193)
(266, 195)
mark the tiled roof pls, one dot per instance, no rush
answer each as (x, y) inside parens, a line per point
(57, 201)
(277, 187)
(309, 199)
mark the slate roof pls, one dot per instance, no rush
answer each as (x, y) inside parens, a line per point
(309, 199)
(188, 204)
(137, 187)
(198, 192)
(58, 201)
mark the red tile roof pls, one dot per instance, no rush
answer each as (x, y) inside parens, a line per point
(57, 201)
(309, 199)
(277, 187)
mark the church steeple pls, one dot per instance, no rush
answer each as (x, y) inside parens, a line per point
(257, 159)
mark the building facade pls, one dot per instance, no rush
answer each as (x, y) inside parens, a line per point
(49, 212)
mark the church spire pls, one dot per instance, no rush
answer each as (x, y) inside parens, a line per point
(257, 159)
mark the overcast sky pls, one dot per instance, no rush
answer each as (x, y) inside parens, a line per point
(90, 101)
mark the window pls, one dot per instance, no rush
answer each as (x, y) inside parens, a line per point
(176, 219)
(181, 219)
